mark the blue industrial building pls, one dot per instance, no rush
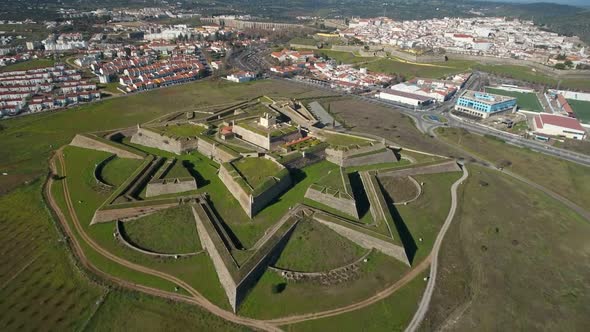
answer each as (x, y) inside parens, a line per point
(483, 104)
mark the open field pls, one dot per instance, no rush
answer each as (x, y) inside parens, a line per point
(410, 70)
(28, 140)
(30, 64)
(304, 297)
(582, 109)
(314, 247)
(170, 231)
(565, 178)
(117, 170)
(39, 287)
(525, 101)
(391, 314)
(256, 170)
(363, 117)
(511, 259)
(528, 75)
(127, 311)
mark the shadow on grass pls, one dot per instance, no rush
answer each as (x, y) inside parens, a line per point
(201, 181)
(360, 196)
(402, 230)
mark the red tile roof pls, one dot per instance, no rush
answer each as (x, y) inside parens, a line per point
(560, 121)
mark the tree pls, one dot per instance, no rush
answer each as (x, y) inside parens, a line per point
(568, 63)
(560, 66)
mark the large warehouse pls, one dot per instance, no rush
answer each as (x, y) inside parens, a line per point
(483, 104)
(558, 125)
(405, 98)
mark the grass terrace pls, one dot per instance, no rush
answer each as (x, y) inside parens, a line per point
(183, 130)
(310, 239)
(256, 171)
(170, 231)
(117, 170)
(525, 101)
(343, 140)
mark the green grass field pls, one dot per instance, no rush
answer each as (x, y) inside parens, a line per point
(178, 170)
(333, 179)
(528, 75)
(409, 70)
(39, 286)
(171, 231)
(117, 170)
(516, 260)
(314, 247)
(582, 109)
(565, 178)
(391, 314)
(256, 170)
(30, 64)
(184, 130)
(525, 101)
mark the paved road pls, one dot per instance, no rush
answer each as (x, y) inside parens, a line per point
(425, 301)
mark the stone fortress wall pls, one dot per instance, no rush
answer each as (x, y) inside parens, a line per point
(250, 203)
(374, 153)
(170, 186)
(84, 141)
(156, 140)
(252, 137)
(344, 203)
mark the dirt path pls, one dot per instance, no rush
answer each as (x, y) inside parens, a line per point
(425, 302)
(195, 298)
(359, 305)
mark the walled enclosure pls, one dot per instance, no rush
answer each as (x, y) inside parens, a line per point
(249, 200)
(238, 280)
(160, 141)
(373, 153)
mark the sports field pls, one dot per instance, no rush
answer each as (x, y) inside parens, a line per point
(582, 109)
(525, 101)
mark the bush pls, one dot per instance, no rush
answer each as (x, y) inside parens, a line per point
(279, 288)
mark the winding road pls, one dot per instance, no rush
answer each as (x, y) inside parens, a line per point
(425, 301)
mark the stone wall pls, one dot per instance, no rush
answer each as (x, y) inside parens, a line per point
(361, 155)
(236, 190)
(106, 215)
(170, 186)
(89, 143)
(261, 201)
(253, 204)
(223, 272)
(346, 205)
(252, 137)
(213, 151)
(449, 166)
(156, 140)
(367, 241)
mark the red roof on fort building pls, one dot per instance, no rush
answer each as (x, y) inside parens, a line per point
(226, 130)
(462, 35)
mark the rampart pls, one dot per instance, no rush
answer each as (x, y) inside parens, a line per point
(364, 240)
(250, 200)
(334, 199)
(449, 166)
(260, 140)
(83, 141)
(371, 153)
(106, 215)
(207, 147)
(170, 186)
